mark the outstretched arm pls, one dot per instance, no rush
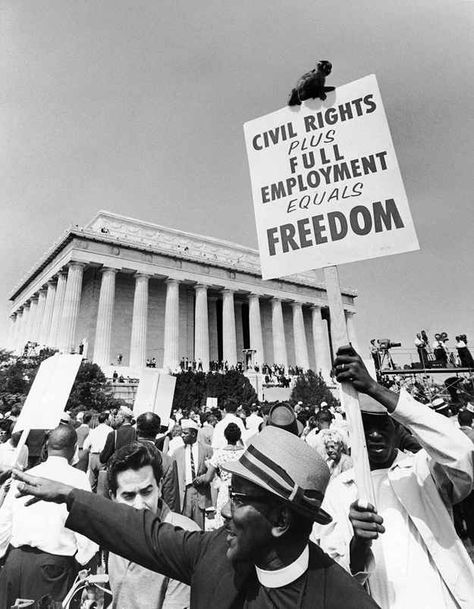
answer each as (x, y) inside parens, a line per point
(137, 535)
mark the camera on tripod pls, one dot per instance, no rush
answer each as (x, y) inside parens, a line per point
(385, 344)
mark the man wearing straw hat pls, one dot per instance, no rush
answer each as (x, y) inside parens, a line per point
(261, 558)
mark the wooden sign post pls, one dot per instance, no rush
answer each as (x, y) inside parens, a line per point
(327, 190)
(349, 396)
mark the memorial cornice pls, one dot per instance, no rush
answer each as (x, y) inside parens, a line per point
(110, 228)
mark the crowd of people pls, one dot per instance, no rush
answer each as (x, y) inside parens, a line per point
(434, 354)
(440, 354)
(245, 507)
(274, 375)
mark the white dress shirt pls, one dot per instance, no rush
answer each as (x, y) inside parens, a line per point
(7, 456)
(41, 525)
(187, 462)
(95, 441)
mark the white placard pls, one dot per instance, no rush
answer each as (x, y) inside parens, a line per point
(164, 397)
(326, 184)
(49, 393)
(155, 394)
(211, 403)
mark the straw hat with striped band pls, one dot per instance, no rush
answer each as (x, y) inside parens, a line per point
(287, 467)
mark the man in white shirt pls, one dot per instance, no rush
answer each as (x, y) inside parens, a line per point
(42, 555)
(229, 416)
(134, 475)
(407, 548)
(94, 443)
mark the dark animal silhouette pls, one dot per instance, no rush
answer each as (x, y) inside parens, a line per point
(311, 85)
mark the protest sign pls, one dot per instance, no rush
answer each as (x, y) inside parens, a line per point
(49, 393)
(326, 184)
(155, 394)
(211, 403)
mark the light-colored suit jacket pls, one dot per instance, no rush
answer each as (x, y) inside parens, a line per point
(204, 493)
(427, 484)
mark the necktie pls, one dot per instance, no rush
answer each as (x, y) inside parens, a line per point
(193, 468)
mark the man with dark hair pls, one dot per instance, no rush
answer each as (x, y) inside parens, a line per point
(465, 418)
(121, 436)
(148, 427)
(82, 432)
(206, 431)
(261, 557)
(406, 547)
(134, 475)
(229, 416)
(42, 556)
(94, 444)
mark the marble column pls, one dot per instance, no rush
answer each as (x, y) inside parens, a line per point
(171, 346)
(17, 336)
(255, 330)
(322, 352)
(139, 321)
(351, 331)
(32, 318)
(40, 315)
(72, 302)
(280, 356)
(229, 338)
(24, 327)
(105, 314)
(19, 331)
(55, 328)
(299, 334)
(239, 331)
(16, 330)
(201, 327)
(11, 332)
(48, 313)
(213, 332)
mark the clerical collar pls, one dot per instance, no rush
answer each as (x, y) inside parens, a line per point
(286, 575)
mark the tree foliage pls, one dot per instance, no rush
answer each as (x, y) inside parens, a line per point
(311, 389)
(193, 388)
(90, 390)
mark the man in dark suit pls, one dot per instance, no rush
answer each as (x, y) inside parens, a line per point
(148, 427)
(121, 436)
(194, 491)
(262, 557)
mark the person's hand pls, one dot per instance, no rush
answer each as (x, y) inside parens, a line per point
(5, 474)
(367, 524)
(41, 489)
(350, 368)
(199, 481)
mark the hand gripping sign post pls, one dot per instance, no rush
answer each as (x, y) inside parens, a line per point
(48, 396)
(327, 190)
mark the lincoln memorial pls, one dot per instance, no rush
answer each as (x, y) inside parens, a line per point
(124, 287)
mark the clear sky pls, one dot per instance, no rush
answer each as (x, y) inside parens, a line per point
(137, 107)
